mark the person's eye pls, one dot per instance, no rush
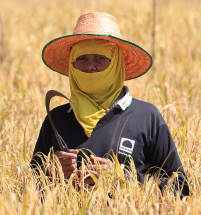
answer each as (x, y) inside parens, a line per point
(101, 57)
(80, 58)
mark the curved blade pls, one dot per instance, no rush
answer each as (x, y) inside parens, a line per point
(50, 94)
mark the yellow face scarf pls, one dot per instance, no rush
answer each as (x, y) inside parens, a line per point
(94, 93)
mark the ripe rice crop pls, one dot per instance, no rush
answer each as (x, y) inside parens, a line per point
(172, 85)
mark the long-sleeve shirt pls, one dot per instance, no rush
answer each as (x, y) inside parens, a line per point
(131, 128)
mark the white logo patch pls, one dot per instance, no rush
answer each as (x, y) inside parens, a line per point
(126, 145)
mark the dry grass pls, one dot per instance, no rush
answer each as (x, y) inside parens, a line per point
(174, 88)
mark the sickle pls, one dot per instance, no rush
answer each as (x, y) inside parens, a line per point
(50, 94)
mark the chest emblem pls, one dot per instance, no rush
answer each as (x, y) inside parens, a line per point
(126, 145)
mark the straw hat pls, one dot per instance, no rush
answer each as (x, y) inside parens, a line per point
(96, 25)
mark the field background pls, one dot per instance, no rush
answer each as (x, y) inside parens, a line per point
(173, 85)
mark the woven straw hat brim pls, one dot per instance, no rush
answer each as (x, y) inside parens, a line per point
(56, 54)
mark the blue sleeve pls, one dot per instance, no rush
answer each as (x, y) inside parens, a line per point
(163, 155)
(43, 144)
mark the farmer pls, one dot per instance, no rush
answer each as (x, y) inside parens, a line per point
(103, 116)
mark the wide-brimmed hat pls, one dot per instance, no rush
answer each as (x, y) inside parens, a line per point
(96, 25)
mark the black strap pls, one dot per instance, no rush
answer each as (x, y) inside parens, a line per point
(50, 94)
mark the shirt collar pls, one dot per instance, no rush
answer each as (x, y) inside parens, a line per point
(125, 102)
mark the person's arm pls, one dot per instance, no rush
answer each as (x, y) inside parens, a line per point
(163, 155)
(45, 141)
(43, 144)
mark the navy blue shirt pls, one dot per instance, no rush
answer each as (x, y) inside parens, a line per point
(139, 131)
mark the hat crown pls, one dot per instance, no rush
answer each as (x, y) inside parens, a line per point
(97, 23)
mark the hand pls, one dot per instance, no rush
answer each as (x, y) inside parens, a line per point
(68, 161)
(100, 164)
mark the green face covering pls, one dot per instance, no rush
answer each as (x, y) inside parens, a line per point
(94, 93)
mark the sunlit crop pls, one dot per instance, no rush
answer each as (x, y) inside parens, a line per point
(173, 85)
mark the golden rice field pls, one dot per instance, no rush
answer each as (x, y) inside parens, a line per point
(173, 85)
